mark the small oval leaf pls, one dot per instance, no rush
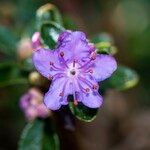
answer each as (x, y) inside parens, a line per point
(106, 48)
(124, 78)
(31, 137)
(48, 12)
(50, 138)
(82, 112)
(49, 33)
(104, 44)
(39, 135)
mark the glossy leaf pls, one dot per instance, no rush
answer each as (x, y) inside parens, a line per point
(104, 44)
(49, 33)
(39, 135)
(106, 48)
(48, 12)
(82, 112)
(124, 78)
(31, 138)
(50, 138)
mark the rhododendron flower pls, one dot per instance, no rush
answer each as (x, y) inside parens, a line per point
(32, 105)
(75, 69)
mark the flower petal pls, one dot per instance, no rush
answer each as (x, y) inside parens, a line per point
(104, 66)
(74, 45)
(42, 58)
(92, 99)
(88, 95)
(52, 99)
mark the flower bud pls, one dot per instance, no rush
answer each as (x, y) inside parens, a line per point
(32, 105)
(37, 80)
(24, 48)
(36, 43)
(34, 77)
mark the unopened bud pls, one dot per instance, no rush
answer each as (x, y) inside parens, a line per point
(24, 48)
(36, 43)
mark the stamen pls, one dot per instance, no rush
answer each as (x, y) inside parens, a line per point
(53, 67)
(92, 47)
(75, 99)
(74, 63)
(86, 64)
(75, 102)
(62, 59)
(93, 55)
(87, 82)
(91, 70)
(62, 54)
(95, 87)
(63, 91)
(51, 63)
(87, 90)
(50, 77)
(61, 94)
(58, 76)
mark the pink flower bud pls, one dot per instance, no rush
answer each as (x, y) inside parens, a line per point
(32, 105)
(24, 48)
(36, 43)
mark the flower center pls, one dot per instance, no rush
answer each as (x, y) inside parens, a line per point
(73, 72)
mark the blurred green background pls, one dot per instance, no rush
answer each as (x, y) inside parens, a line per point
(123, 122)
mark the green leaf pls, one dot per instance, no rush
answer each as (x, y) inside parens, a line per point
(49, 33)
(39, 135)
(50, 142)
(106, 48)
(31, 138)
(82, 112)
(50, 138)
(7, 42)
(124, 78)
(104, 44)
(48, 12)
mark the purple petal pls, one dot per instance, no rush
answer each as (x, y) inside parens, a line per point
(92, 99)
(104, 66)
(74, 45)
(52, 98)
(89, 95)
(42, 58)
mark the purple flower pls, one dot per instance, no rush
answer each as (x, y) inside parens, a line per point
(75, 69)
(32, 105)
